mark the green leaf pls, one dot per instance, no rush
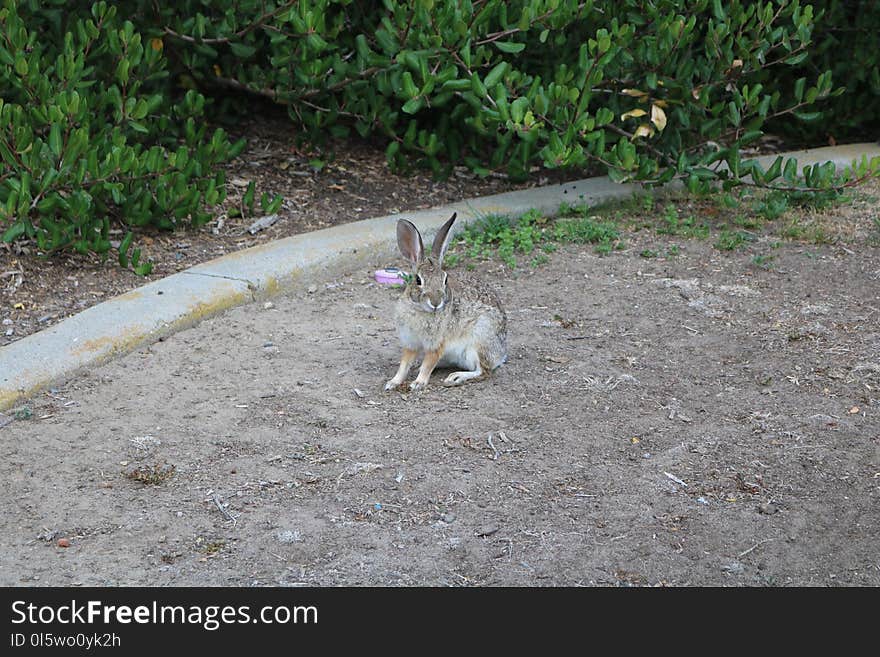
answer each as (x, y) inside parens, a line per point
(241, 50)
(124, 245)
(413, 105)
(604, 116)
(494, 76)
(799, 89)
(510, 46)
(409, 86)
(55, 139)
(248, 199)
(774, 170)
(733, 112)
(15, 231)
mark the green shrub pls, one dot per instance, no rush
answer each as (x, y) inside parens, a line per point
(845, 42)
(96, 131)
(648, 90)
(89, 140)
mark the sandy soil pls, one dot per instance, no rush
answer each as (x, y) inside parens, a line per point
(692, 420)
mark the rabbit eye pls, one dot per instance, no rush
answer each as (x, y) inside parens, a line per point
(418, 280)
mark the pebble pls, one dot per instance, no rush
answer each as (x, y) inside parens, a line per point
(313, 289)
(7, 322)
(268, 305)
(9, 332)
(767, 509)
(288, 536)
(488, 530)
(63, 543)
(447, 517)
(734, 568)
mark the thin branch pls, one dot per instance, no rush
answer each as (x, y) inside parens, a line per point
(259, 22)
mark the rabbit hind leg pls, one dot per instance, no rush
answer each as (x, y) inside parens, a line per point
(471, 359)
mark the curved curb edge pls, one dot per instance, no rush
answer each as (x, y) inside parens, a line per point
(143, 315)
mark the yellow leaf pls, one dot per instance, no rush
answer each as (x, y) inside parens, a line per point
(644, 130)
(635, 93)
(635, 441)
(632, 113)
(737, 63)
(658, 117)
(217, 71)
(156, 44)
(19, 306)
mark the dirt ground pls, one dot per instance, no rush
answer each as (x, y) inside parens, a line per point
(686, 420)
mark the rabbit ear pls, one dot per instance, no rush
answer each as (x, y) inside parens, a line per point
(441, 240)
(410, 241)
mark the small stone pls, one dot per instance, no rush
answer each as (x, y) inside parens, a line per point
(7, 322)
(767, 509)
(488, 530)
(268, 305)
(9, 332)
(312, 289)
(448, 517)
(63, 543)
(288, 536)
(734, 568)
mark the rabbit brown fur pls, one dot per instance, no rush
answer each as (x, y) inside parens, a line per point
(450, 321)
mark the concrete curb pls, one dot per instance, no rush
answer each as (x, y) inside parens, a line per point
(143, 315)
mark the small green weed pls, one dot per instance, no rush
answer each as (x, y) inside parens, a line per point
(23, 413)
(500, 236)
(747, 221)
(673, 224)
(588, 230)
(731, 240)
(728, 200)
(772, 206)
(813, 233)
(763, 261)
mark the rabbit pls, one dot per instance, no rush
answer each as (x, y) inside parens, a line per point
(451, 321)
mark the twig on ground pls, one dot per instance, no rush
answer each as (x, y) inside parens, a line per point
(492, 447)
(219, 504)
(756, 545)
